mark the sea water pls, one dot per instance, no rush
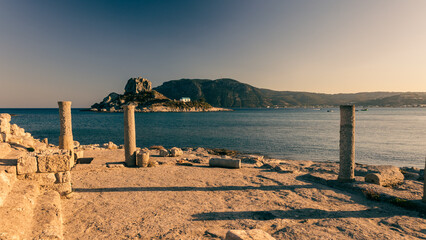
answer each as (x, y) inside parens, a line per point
(386, 136)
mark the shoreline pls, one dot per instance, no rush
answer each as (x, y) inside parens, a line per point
(213, 109)
(413, 156)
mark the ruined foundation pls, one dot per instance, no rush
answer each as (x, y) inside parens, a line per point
(347, 143)
(49, 169)
(129, 136)
(65, 138)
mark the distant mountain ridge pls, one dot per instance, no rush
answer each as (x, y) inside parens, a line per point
(230, 93)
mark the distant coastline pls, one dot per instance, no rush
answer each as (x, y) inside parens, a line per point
(230, 93)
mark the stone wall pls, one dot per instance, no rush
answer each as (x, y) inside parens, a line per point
(44, 163)
(15, 135)
(51, 169)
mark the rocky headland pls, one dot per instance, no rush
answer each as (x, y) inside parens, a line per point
(138, 91)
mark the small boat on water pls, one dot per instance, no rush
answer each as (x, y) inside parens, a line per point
(364, 109)
(330, 110)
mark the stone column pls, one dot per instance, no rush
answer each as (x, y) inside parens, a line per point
(129, 135)
(65, 138)
(424, 184)
(347, 143)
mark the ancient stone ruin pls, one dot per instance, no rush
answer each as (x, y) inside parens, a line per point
(65, 138)
(12, 134)
(347, 143)
(129, 135)
(34, 175)
(51, 169)
(40, 162)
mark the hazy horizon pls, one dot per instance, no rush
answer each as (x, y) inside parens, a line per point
(83, 50)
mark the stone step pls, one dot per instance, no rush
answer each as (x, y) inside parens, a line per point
(47, 216)
(17, 211)
(8, 173)
(7, 179)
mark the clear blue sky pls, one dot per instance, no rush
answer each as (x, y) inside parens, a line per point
(83, 50)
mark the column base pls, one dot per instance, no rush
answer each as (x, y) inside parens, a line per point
(345, 180)
(66, 142)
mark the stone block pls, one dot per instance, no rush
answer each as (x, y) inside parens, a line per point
(164, 153)
(40, 146)
(28, 142)
(14, 140)
(78, 154)
(385, 176)
(254, 234)
(27, 164)
(225, 163)
(17, 131)
(63, 177)
(176, 152)
(54, 162)
(111, 146)
(142, 158)
(61, 188)
(73, 160)
(40, 178)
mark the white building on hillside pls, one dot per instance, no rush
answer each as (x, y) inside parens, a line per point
(185, 99)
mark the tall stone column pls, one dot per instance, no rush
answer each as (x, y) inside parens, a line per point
(424, 184)
(129, 135)
(65, 138)
(347, 144)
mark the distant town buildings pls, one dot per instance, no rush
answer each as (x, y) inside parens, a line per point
(185, 99)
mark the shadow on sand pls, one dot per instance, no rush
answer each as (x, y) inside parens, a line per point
(307, 213)
(183, 189)
(8, 162)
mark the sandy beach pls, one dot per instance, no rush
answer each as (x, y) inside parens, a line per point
(172, 201)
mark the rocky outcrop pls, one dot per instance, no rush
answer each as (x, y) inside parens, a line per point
(138, 91)
(137, 85)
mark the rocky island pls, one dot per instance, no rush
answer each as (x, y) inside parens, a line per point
(138, 91)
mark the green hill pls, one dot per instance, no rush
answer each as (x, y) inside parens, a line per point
(230, 93)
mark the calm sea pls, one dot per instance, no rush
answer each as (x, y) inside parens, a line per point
(383, 135)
